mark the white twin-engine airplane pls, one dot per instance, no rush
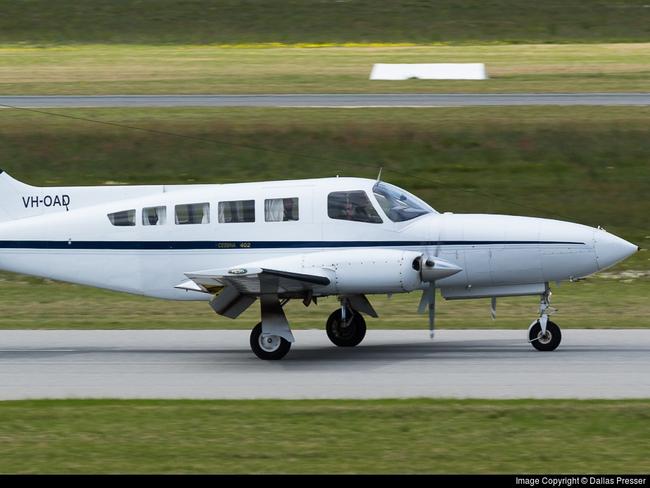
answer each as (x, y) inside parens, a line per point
(275, 241)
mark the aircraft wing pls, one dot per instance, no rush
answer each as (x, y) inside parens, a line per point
(347, 272)
(236, 289)
(252, 281)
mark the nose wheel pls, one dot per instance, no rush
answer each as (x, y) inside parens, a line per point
(547, 340)
(267, 346)
(543, 334)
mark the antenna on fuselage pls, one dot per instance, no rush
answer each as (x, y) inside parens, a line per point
(379, 175)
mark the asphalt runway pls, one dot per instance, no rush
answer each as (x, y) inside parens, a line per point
(327, 100)
(219, 364)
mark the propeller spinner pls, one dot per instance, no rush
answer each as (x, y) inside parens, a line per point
(432, 269)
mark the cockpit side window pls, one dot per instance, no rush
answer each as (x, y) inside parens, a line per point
(397, 204)
(352, 205)
(125, 218)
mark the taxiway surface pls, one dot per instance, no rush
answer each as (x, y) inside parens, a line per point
(328, 100)
(389, 363)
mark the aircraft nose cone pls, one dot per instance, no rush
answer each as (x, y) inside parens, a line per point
(611, 249)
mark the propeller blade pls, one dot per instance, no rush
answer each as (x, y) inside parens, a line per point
(493, 308)
(424, 300)
(432, 310)
(428, 302)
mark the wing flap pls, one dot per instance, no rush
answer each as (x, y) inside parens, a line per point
(231, 303)
(252, 281)
(236, 289)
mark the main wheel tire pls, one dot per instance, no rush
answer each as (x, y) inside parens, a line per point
(270, 347)
(548, 341)
(349, 334)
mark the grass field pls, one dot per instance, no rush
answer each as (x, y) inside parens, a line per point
(586, 164)
(385, 436)
(130, 69)
(318, 21)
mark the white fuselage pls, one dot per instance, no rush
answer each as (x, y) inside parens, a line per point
(499, 255)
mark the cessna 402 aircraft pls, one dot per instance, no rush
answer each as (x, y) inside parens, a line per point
(275, 241)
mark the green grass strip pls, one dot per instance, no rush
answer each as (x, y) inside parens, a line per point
(318, 21)
(584, 164)
(101, 68)
(378, 436)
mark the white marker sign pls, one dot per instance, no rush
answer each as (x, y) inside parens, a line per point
(430, 71)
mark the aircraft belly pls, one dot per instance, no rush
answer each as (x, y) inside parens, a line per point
(98, 269)
(124, 271)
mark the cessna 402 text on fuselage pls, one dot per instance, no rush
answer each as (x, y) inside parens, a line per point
(233, 244)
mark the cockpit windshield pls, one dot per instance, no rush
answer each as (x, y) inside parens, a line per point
(398, 204)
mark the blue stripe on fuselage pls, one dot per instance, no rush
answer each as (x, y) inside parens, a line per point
(163, 245)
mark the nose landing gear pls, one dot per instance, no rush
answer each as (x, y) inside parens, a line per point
(547, 340)
(543, 334)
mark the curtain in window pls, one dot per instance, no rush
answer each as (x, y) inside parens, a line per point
(274, 210)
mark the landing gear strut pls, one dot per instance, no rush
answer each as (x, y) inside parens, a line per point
(543, 334)
(346, 327)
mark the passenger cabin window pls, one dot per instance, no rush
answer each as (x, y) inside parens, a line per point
(352, 205)
(237, 211)
(398, 204)
(280, 209)
(193, 213)
(125, 218)
(154, 216)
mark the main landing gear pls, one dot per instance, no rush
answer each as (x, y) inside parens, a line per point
(267, 346)
(543, 334)
(345, 327)
(271, 339)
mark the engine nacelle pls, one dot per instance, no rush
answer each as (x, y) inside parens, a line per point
(360, 271)
(363, 271)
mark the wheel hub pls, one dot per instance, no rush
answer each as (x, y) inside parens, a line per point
(545, 337)
(270, 343)
(344, 328)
